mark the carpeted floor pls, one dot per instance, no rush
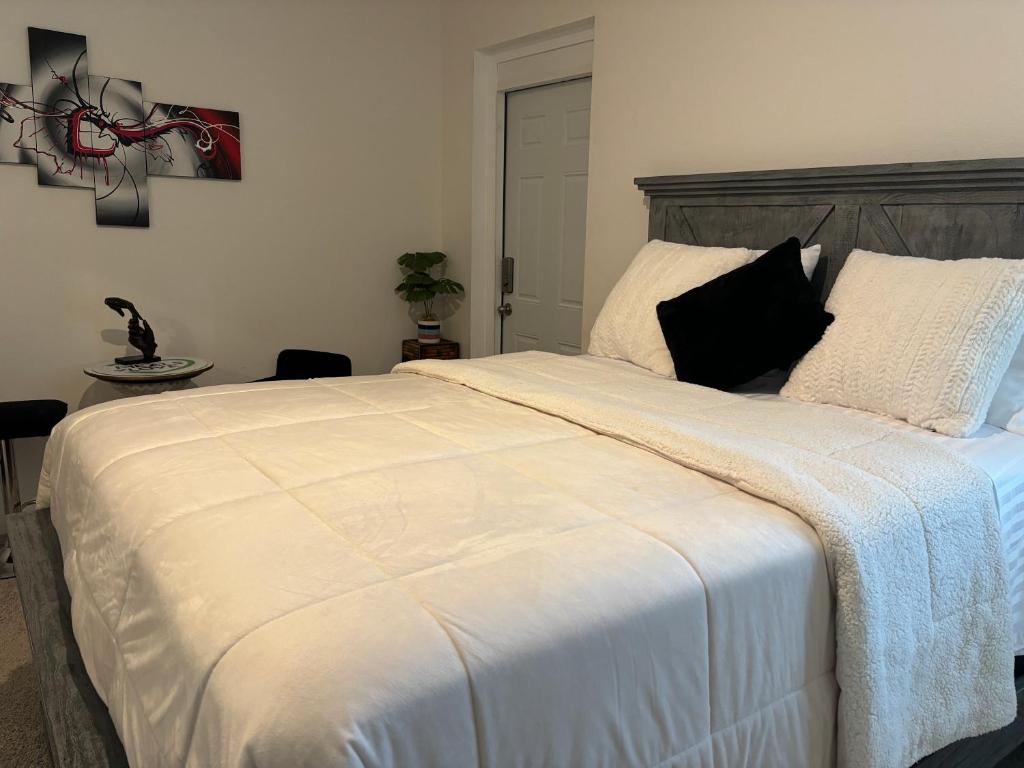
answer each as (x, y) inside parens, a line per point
(22, 734)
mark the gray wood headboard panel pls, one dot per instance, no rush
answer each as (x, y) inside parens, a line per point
(944, 210)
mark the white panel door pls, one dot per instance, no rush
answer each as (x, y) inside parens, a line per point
(547, 140)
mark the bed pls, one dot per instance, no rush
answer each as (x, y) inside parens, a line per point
(494, 562)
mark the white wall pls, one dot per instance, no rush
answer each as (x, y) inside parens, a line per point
(340, 106)
(357, 127)
(686, 86)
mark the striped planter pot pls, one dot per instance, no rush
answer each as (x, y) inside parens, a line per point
(429, 331)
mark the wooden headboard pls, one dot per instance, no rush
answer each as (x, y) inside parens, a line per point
(944, 210)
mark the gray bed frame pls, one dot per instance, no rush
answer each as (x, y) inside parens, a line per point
(945, 210)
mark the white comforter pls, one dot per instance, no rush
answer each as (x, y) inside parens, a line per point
(404, 571)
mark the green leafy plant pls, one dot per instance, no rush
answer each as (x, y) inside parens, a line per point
(419, 284)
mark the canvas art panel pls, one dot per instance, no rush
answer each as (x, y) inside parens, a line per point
(60, 89)
(119, 152)
(17, 124)
(193, 142)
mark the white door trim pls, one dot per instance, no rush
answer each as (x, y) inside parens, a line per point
(488, 180)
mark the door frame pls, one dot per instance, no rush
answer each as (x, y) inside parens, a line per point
(552, 56)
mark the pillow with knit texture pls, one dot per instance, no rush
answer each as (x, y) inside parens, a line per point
(921, 340)
(627, 327)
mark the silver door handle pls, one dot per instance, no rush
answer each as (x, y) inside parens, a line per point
(505, 309)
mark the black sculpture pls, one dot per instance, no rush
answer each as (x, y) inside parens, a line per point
(140, 335)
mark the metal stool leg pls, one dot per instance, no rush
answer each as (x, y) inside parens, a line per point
(11, 501)
(9, 478)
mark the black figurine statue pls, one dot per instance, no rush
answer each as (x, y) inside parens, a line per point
(140, 335)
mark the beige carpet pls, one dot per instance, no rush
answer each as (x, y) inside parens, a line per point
(22, 733)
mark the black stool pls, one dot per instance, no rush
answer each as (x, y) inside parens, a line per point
(23, 418)
(297, 364)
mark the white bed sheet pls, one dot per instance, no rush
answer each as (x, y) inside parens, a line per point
(1001, 455)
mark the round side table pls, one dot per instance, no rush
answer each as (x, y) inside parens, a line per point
(165, 375)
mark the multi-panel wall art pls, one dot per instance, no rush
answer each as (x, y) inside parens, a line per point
(96, 132)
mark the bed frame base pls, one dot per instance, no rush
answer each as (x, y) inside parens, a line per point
(80, 730)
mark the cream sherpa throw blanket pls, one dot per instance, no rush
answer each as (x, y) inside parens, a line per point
(910, 531)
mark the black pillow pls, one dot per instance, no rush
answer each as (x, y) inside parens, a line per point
(745, 323)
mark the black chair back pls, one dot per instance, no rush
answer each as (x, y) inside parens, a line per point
(298, 364)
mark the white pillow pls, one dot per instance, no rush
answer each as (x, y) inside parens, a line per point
(1007, 409)
(808, 258)
(627, 327)
(921, 340)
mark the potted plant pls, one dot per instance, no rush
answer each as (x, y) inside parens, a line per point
(423, 281)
